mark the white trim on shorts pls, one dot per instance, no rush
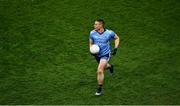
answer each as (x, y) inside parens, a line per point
(107, 58)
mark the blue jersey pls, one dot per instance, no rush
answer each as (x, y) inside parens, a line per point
(102, 40)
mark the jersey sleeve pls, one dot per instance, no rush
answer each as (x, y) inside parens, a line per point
(112, 33)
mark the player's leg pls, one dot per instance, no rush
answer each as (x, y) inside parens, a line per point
(107, 56)
(108, 66)
(100, 75)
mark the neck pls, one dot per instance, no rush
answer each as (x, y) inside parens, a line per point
(101, 30)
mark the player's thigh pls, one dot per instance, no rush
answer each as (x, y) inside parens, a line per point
(107, 65)
(102, 64)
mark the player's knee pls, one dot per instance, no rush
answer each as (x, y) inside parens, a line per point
(99, 71)
(100, 68)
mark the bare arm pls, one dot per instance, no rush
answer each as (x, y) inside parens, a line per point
(116, 41)
(90, 43)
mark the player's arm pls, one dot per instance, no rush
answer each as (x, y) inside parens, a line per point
(116, 44)
(116, 41)
(90, 42)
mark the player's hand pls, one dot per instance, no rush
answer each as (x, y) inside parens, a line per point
(113, 51)
(93, 54)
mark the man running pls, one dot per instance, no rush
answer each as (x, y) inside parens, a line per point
(102, 37)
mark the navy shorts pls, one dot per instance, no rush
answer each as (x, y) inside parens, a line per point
(107, 57)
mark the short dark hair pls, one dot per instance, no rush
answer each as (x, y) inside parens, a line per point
(101, 21)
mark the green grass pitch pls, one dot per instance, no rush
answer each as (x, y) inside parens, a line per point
(44, 54)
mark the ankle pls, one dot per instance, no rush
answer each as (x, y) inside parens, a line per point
(100, 85)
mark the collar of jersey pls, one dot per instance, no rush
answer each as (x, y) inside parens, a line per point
(102, 32)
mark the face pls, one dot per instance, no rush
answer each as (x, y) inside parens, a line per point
(97, 25)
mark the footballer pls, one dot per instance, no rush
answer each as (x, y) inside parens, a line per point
(101, 37)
